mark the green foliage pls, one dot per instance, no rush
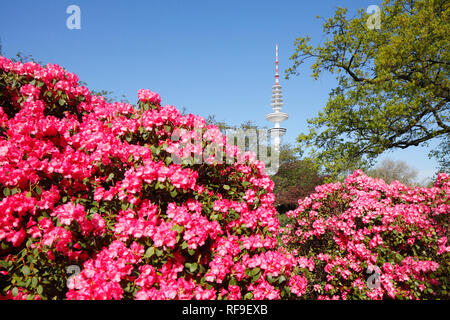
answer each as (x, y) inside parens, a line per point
(442, 153)
(296, 178)
(21, 57)
(393, 87)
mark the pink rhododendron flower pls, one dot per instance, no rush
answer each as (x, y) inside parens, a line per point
(148, 96)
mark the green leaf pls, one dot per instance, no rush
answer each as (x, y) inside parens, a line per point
(26, 270)
(61, 102)
(150, 252)
(159, 252)
(184, 245)
(191, 266)
(6, 192)
(15, 291)
(254, 271)
(281, 279)
(3, 264)
(256, 277)
(248, 296)
(177, 228)
(40, 289)
(226, 187)
(34, 282)
(38, 190)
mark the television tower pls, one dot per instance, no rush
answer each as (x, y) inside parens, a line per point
(277, 102)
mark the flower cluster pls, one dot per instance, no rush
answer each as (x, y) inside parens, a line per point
(370, 240)
(101, 277)
(94, 184)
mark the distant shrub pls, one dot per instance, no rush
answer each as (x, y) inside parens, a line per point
(348, 233)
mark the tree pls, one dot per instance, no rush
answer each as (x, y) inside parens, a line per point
(108, 95)
(296, 178)
(223, 126)
(23, 58)
(442, 153)
(390, 170)
(393, 86)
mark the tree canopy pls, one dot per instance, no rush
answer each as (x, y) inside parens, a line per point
(392, 83)
(390, 170)
(296, 178)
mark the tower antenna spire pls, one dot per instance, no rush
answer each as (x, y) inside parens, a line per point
(277, 102)
(277, 76)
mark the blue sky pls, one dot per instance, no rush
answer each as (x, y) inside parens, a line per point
(209, 56)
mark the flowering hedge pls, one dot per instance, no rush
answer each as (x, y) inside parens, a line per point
(364, 239)
(92, 186)
(89, 184)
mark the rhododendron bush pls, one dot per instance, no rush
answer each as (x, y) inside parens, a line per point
(93, 185)
(98, 201)
(365, 239)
